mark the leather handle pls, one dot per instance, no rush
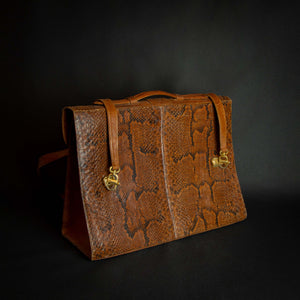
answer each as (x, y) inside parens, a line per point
(136, 98)
(143, 95)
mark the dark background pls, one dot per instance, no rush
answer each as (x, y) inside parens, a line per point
(58, 53)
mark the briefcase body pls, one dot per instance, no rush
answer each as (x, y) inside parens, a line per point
(147, 170)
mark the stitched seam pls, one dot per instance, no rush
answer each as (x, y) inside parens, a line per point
(164, 170)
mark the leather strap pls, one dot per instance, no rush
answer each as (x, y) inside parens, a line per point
(51, 157)
(112, 124)
(221, 119)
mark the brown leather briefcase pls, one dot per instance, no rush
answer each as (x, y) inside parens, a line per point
(147, 170)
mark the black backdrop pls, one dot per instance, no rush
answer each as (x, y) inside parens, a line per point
(59, 53)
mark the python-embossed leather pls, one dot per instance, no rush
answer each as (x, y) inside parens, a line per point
(168, 187)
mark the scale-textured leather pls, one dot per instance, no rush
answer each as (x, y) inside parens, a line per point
(168, 186)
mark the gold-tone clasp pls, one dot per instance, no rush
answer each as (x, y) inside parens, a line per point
(112, 180)
(221, 161)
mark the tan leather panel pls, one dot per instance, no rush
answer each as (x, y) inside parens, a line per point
(201, 197)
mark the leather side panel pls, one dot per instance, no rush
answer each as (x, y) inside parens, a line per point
(74, 226)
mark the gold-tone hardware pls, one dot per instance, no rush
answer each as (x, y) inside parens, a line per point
(221, 161)
(112, 180)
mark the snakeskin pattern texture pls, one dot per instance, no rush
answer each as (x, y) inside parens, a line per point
(169, 189)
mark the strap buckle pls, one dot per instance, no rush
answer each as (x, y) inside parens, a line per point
(221, 161)
(111, 181)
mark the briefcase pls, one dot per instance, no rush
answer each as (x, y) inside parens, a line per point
(146, 170)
